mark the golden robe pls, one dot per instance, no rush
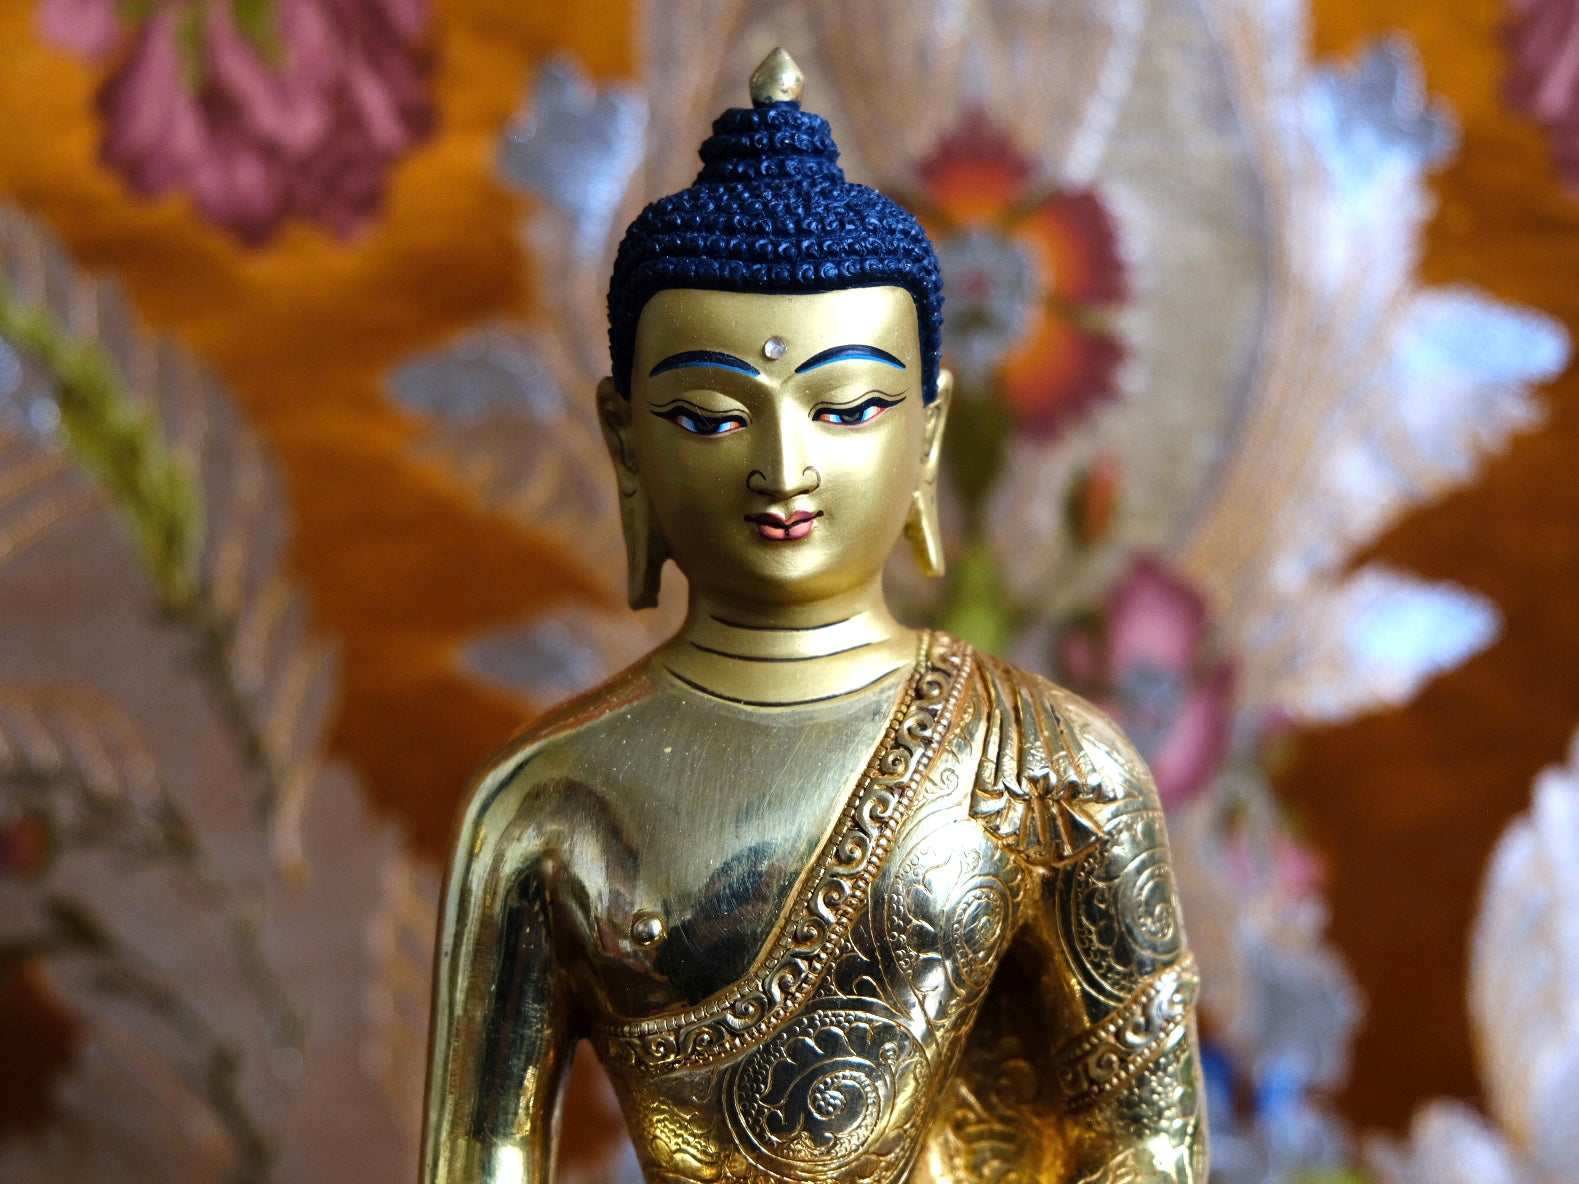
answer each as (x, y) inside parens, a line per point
(975, 972)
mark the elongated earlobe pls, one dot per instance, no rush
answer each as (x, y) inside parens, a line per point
(921, 526)
(645, 549)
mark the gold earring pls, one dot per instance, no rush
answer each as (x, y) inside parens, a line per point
(923, 531)
(645, 550)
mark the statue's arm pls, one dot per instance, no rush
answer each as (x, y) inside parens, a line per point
(503, 1027)
(1118, 980)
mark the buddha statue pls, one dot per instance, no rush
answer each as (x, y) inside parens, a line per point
(830, 898)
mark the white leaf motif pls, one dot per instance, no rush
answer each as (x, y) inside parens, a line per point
(1368, 641)
(1448, 1143)
(1524, 976)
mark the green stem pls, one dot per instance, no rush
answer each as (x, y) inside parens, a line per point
(119, 445)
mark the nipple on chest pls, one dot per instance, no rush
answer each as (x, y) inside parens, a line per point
(648, 929)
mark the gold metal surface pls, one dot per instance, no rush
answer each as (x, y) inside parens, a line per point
(777, 80)
(831, 899)
(867, 902)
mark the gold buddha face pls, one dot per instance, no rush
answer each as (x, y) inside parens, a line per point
(780, 441)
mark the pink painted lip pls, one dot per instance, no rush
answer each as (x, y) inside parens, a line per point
(781, 529)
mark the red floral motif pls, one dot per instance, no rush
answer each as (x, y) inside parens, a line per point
(1543, 75)
(1093, 501)
(1031, 276)
(25, 845)
(263, 110)
(1143, 663)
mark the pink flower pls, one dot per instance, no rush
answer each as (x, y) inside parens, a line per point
(1301, 870)
(91, 28)
(299, 113)
(1543, 75)
(1144, 664)
(160, 137)
(1276, 865)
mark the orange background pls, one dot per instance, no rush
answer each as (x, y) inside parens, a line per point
(402, 564)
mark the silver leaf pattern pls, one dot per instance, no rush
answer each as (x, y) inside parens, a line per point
(183, 852)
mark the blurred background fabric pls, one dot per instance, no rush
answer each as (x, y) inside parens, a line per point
(1266, 441)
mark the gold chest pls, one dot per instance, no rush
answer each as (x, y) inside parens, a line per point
(827, 1059)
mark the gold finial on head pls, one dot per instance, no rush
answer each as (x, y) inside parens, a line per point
(777, 80)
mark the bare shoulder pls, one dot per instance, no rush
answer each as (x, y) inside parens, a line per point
(515, 785)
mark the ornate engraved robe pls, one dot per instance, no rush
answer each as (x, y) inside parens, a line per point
(981, 975)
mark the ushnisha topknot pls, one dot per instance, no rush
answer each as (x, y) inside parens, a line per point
(771, 212)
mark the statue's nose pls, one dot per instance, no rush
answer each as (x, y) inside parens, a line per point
(784, 468)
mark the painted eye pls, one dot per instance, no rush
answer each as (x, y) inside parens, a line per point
(701, 425)
(862, 412)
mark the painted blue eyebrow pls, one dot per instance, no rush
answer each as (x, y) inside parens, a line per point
(841, 353)
(702, 357)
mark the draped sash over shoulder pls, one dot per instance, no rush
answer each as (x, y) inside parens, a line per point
(995, 807)
(830, 894)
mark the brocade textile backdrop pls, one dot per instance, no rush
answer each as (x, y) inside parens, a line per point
(377, 232)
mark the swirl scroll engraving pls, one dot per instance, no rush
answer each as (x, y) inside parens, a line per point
(1119, 907)
(829, 1089)
(947, 917)
(1107, 1057)
(989, 1128)
(834, 893)
(857, 1048)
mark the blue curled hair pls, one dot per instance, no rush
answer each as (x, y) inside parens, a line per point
(771, 212)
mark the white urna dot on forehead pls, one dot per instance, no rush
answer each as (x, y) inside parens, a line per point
(774, 348)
